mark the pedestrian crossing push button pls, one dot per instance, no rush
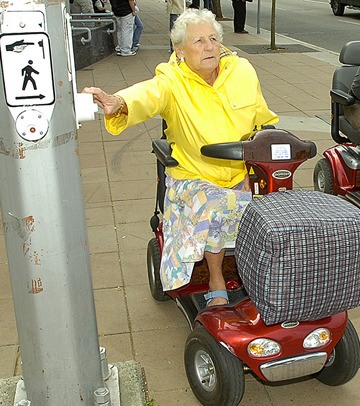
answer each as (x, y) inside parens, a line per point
(32, 125)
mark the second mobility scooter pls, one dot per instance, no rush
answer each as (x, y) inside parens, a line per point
(228, 341)
(338, 172)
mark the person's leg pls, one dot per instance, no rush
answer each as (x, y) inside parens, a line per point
(86, 6)
(195, 4)
(217, 281)
(127, 29)
(239, 7)
(173, 18)
(137, 31)
(118, 33)
(242, 15)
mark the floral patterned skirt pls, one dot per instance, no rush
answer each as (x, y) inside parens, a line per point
(198, 216)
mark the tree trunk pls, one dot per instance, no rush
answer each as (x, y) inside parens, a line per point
(273, 46)
(217, 9)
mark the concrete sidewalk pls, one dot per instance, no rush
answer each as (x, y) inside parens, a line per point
(119, 180)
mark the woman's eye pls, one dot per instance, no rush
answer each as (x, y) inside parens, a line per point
(213, 39)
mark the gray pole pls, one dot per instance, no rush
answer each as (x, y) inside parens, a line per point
(42, 208)
(258, 17)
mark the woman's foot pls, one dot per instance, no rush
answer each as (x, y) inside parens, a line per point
(216, 298)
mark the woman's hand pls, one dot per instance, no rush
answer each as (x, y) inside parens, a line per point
(109, 103)
(247, 186)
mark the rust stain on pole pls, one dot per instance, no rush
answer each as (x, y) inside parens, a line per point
(36, 286)
(18, 152)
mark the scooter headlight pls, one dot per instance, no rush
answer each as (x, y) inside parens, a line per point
(263, 347)
(318, 338)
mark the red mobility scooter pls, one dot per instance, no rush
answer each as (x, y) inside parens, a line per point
(338, 173)
(230, 340)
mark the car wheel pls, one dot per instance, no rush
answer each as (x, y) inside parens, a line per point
(344, 362)
(153, 268)
(215, 375)
(337, 8)
(323, 181)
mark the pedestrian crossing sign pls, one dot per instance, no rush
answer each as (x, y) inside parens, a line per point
(27, 69)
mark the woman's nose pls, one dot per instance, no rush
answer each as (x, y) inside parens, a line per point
(208, 44)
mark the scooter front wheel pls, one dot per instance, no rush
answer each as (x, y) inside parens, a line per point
(153, 267)
(215, 375)
(344, 362)
(323, 180)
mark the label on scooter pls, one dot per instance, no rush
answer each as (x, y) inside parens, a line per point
(282, 174)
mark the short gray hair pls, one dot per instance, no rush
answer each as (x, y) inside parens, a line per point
(193, 16)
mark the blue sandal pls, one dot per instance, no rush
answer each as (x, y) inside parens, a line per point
(214, 294)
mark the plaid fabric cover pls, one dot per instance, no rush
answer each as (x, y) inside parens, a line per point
(298, 255)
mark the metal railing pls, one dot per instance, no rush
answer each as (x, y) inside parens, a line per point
(88, 21)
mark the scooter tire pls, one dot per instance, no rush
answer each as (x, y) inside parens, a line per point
(215, 375)
(323, 179)
(153, 268)
(344, 362)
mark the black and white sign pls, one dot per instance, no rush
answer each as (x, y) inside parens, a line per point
(27, 69)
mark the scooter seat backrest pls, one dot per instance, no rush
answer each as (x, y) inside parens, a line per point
(342, 79)
(350, 59)
(350, 53)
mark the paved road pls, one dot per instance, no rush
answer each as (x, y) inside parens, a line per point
(310, 21)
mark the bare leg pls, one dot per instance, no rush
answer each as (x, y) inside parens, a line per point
(217, 281)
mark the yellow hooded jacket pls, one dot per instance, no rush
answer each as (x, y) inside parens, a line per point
(198, 114)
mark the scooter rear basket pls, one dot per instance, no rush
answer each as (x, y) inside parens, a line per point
(298, 255)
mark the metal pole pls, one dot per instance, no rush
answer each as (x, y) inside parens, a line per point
(42, 208)
(258, 17)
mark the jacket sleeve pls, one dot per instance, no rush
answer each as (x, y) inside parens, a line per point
(144, 100)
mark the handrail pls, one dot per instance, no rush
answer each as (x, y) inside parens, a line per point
(89, 19)
(84, 40)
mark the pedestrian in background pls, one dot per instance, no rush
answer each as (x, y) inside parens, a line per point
(81, 7)
(138, 29)
(196, 4)
(175, 8)
(124, 11)
(239, 7)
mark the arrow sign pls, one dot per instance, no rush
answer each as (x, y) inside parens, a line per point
(40, 96)
(27, 69)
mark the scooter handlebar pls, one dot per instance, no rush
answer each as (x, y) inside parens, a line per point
(225, 150)
(265, 146)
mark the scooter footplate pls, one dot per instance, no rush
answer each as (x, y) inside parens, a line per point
(235, 296)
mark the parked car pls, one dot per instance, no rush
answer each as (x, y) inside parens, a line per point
(338, 6)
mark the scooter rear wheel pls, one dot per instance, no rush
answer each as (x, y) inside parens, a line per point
(153, 268)
(215, 375)
(323, 180)
(344, 362)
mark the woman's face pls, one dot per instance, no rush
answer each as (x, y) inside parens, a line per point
(201, 49)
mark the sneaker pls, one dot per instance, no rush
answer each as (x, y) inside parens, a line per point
(135, 48)
(131, 53)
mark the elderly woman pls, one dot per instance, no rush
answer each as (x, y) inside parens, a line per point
(206, 94)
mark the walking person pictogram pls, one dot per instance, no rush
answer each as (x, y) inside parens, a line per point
(27, 72)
